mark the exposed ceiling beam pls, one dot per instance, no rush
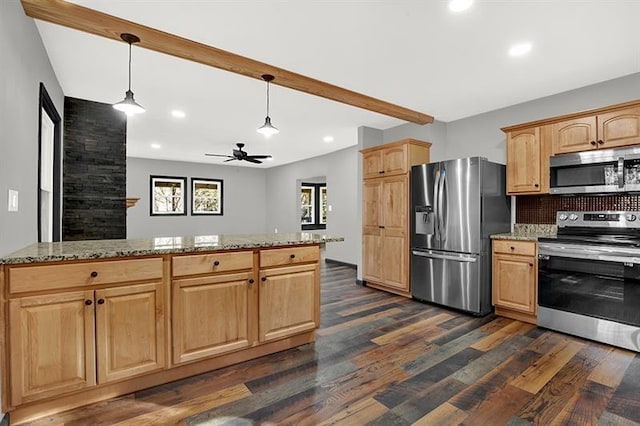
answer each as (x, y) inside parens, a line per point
(91, 21)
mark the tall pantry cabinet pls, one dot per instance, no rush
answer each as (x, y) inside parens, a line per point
(386, 171)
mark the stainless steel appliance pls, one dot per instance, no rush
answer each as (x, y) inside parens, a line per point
(601, 171)
(589, 277)
(456, 204)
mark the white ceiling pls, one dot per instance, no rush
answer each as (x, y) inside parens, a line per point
(415, 53)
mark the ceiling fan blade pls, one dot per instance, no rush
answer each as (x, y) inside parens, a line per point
(218, 155)
(252, 160)
(230, 159)
(259, 156)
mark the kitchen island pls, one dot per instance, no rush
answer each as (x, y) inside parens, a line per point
(89, 320)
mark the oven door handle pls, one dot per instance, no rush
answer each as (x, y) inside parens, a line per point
(547, 250)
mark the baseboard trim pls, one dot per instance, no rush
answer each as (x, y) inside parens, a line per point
(339, 262)
(361, 283)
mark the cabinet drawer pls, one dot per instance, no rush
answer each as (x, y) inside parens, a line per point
(289, 256)
(524, 248)
(211, 263)
(52, 277)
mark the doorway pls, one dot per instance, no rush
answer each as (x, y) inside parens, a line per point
(313, 206)
(48, 169)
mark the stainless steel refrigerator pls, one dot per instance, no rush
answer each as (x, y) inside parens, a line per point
(456, 206)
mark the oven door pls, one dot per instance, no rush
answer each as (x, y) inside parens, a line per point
(588, 280)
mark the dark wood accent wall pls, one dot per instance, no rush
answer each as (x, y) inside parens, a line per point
(94, 171)
(543, 208)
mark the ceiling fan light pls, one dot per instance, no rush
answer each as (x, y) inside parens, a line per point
(128, 105)
(267, 128)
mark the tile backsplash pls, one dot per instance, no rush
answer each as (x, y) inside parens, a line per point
(543, 208)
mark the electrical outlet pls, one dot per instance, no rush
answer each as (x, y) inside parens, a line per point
(13, 201)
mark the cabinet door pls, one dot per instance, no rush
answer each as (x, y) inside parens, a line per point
(394, 240)
(523, 161)
(514, 283)
(619, 128)
(52, 345)
(211, 315)
(130, 332)
(288, 301)
(372, 164)
(371, 231)
(574, 135)
(394, 160)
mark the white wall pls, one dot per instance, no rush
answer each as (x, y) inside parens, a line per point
(244, 192)
(341, 171)
(23, 65)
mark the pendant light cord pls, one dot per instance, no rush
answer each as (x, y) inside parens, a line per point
(267, 98)
(129, 66)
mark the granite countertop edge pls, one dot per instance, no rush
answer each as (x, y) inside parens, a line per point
(104, 249)
(519, 236)
(528, 232)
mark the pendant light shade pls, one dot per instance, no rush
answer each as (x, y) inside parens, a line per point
(128, 105)
(267, 128)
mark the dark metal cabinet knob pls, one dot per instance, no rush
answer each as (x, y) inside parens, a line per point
(292, 256)
(251, 281)
(263, 279)
(94, 274)
(88, 302)
(536, 185)
(593, 143)
(216, 263)
(600, 142)
(512, 248)
(100, 301)
(381, 171)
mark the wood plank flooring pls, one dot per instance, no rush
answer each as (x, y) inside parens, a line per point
(382, 359)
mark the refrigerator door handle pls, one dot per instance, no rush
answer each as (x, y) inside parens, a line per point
(458, 258)
(443, 226)
(436, 207)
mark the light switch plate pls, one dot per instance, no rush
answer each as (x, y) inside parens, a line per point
(13, 201)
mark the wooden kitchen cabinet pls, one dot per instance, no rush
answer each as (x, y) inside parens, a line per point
(289, 292)
(130, 331)
(52, 345)
(515, 279)
(385, 213)
(64, 341)
(211, 315)
(528, 161)
(616, 128)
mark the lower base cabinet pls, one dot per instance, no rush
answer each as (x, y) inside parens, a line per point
(211, 315)
(515, 279)
(288, 301)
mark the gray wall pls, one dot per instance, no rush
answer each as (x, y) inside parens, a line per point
(341, 171)
(24, 64)
(244, 192)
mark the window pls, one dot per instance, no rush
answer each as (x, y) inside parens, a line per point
(168, 195)
(206, 196)
(313, 206)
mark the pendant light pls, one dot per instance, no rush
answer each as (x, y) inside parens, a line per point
(128, 105)
(267, 128)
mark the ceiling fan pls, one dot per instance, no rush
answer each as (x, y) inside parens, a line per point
(239, 154)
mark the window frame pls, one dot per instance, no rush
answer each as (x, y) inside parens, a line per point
(220, 211)
(317, 207)
(182, 180)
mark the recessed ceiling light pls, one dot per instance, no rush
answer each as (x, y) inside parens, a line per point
(520, 49)
(460, 5)
(178, 114)
(156, 146)
(328, 139)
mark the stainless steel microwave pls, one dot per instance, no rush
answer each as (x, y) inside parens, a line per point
(596, 172)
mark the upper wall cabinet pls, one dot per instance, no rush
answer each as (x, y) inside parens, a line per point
(528, 161)
(394, 159)
(602, 131)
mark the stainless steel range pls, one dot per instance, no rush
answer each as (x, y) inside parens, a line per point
(589, 277)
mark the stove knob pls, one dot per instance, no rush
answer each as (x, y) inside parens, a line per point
(573, 217)
(562, 216)
(631, 217)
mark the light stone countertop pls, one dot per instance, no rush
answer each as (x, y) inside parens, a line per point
(101, 249)
(527, 232)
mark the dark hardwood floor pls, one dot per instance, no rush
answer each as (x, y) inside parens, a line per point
(384, 360)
